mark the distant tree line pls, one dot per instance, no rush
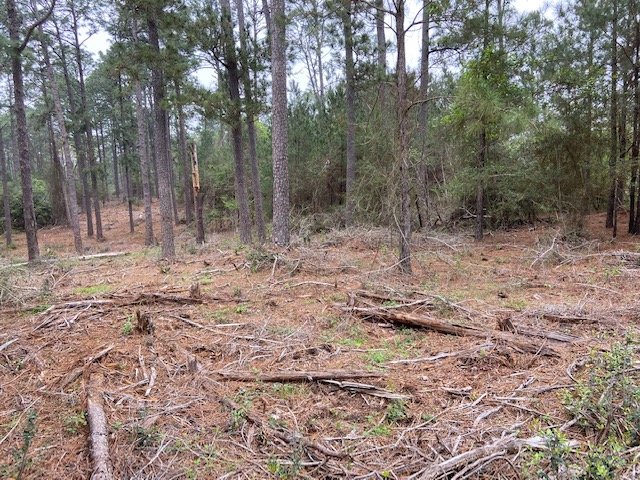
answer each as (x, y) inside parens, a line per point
(312, 110)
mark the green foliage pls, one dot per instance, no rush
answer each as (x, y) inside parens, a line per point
(607, 401)
(396, 411)
(41, 203)
(549, 463)
(127, 326)
(75, 422)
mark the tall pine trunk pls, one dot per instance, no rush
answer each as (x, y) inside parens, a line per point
(30, 225)
(423, 118)
(402, 142)
(613, 123)
(279, 134)
(162, 155)
(380, 38)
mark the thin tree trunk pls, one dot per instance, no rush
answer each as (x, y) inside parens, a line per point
(172, 179)
(102, 159)
(482, 153)
(6, 200)
(351, 113)
(251, 130)
(634, 226)
(380, 37)
(160, 117)
(613, 119)
(402, 143)
(144, 165)
(423, 118)
(280, 137)
(184, 157)
(127, 180)
(56, 184)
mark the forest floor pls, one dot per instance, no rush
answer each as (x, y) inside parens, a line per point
(536, 372)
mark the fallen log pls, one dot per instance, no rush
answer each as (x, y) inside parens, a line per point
(287, 376)
(99, 434)
(292, 438)
(458, 329)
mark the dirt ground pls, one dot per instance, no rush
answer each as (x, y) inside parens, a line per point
(192, 397)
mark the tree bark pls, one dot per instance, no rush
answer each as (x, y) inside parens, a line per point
(160, 122)
(69, 177)
(6, 199)
(402, 142)
(251, 128)
(351, 112)
(280, 138)
(423, 118)
(380, 37)
(613, 120)
(30, 225)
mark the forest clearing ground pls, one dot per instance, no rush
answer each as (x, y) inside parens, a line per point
(258, 315)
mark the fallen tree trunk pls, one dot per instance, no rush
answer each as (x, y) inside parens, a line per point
(451, 329)
(283, 434)
(99, 433)
(284, 377)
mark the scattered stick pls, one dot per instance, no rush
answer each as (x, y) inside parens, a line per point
(292, 438)
(74, 374)
(284, 377)
(152, 381)
(102, 469)
(8, 344)
(443, 355)
(367, 390)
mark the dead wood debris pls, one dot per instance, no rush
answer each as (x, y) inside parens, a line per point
(292, 438)
(74, 374)
(473, 460)
(288, 376)
(459, 329)
(99, 433)
(367, 390)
